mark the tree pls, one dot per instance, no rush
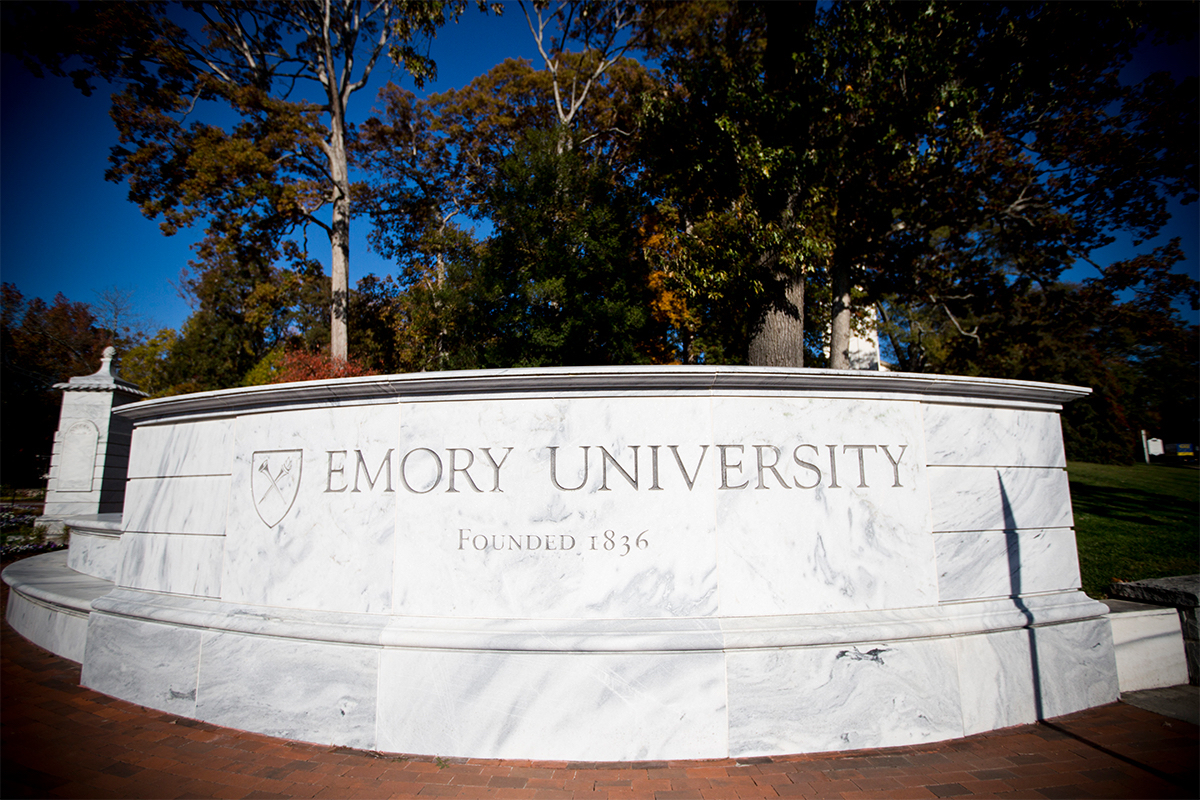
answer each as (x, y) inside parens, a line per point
(563, 279)
(926, 141)
(115, 311)
(719, 148)
(434, 164)
(287, 158)
(149, 365)
(603, 32)
(432, 161)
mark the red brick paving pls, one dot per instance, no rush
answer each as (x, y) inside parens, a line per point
(58, 739)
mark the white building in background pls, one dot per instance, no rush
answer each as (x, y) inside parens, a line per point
(864, 341)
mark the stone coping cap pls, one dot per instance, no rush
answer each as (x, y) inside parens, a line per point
(50, 579)
(1182, 591)
(631, 380)
(103, 523)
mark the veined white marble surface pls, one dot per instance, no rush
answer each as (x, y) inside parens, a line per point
(175, 563)
(641, 381)
(295, 690)
(1006, 563)
(841, 524)
(591, 508)
(49, 602)
(963, 435)
(842, 698)
(187, 448)
(151, 664)
(1149, 647)
(312, 511)
(995, 675)
(62, 633)
(1076, 667)
(287, 677)
(95, 553)
(194, 504)
(506, 541)
(601, 707)
(665, 634)
(998, 499)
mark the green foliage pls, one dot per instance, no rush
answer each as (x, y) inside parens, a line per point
(929, 153)
(1135, 522)
(148, 365)
(436, 162)
(248, 305)
(267, 370)
(563, 279)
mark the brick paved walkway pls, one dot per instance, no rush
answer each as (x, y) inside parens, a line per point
(60, 740)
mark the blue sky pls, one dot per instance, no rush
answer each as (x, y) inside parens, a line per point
(63, 228)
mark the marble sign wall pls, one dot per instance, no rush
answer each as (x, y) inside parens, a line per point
(603, 564)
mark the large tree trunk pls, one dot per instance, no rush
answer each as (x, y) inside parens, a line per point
(339, 345)
(339, 238)
(779, 340)
(839, 326)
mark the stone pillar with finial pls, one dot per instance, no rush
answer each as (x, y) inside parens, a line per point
(91, 448)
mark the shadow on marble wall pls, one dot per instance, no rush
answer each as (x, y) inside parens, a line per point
(1014, 571)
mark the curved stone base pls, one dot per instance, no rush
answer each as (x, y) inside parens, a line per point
(648, 689)
(49, 603)
(96, 545)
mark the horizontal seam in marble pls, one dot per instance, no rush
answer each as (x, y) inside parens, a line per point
(1007, 530)
(1057, 467)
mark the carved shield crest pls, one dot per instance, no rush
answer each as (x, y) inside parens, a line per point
(275, 483)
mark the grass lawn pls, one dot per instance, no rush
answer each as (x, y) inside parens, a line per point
(1134, 522)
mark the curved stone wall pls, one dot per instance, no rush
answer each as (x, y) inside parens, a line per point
(603, 563)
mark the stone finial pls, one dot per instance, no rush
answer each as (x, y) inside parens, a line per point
(104, 379)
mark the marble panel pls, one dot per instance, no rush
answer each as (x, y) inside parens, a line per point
(992, 437)
(291, 689)
(53, 628)
(77, 457)
(143, 662)
(312, 513)
(1077, 667)
(808, 700)
(172, 562)
(995, 674)
(177, 505)
(88, 405)
(58, 509)
(559, 508)
(1149, 648)
(95, 554)
(591, 707)
(832, 513)
(1005, 563)
(185, 448)
(991, 499)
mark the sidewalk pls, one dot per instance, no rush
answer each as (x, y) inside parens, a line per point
(60, 740)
